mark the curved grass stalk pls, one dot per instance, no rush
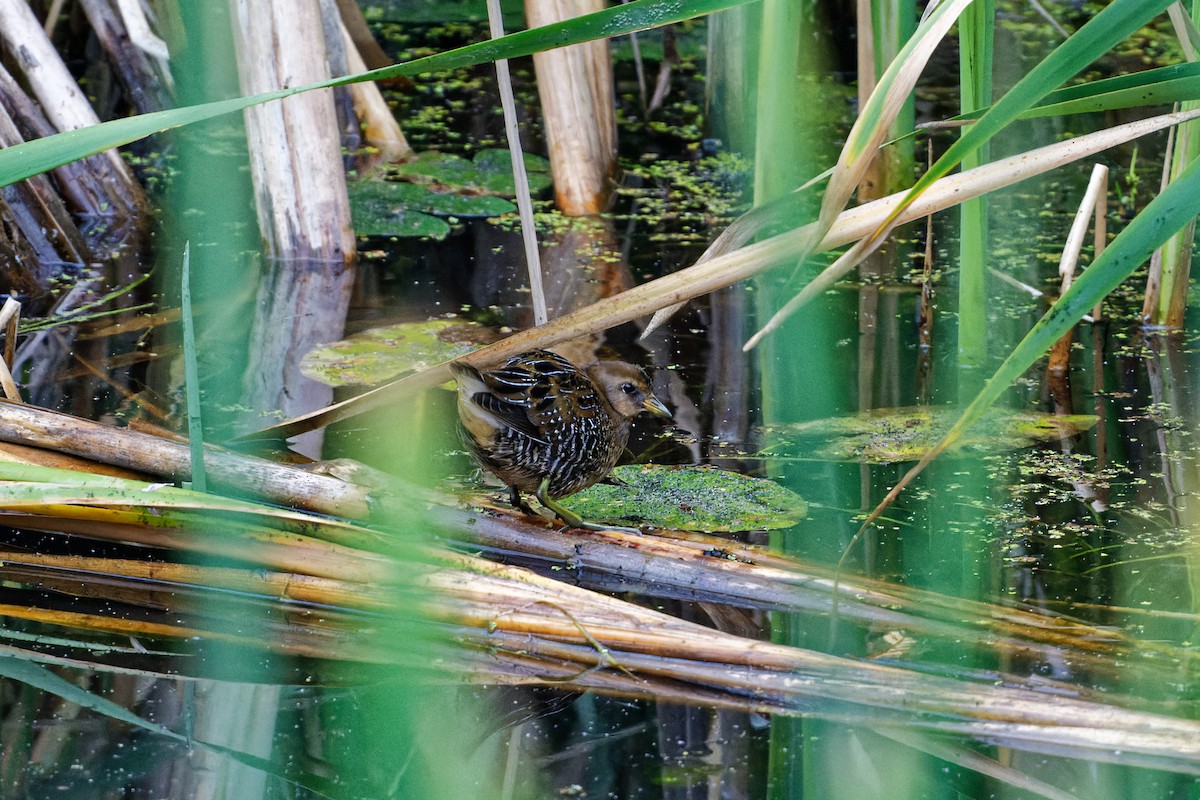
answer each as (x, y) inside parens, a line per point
(1116, 22)
(1166, 214)
(725, 270)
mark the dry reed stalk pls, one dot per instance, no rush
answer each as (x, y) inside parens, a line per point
(576, 89)
(379, 126)
(534, 616)
(290, 586)
(517, 626)
(696, 567)
(154, 455)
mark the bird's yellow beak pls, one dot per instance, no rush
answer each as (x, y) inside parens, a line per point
(655, 407)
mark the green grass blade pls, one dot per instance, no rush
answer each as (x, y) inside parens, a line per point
(191, 378)
(1166, 214)
(32, 158)
(19, 669)
(1161, 86)
(976, 35)
(1113, 24)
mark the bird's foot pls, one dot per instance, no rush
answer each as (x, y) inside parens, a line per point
(572, 519)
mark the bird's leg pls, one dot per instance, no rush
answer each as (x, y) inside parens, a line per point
(568, 516)
(517, 501)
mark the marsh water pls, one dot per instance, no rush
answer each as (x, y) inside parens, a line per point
(1099, 525)
(1095, 526)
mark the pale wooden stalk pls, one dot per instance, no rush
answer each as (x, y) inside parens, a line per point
(867, 77)
(882, 28)
(533, 261)
(610, 634)
(154, 455)
(303, 209)
(542, 631)
(1059, 363)
(10, 319)
(380, 129)
(10, 315)
(294, 147)
(752, 577)
(259, 545)
(280, 585)
(1165, 298)
(134, 18)
(52, 14)
(576, 89)
(60, 97)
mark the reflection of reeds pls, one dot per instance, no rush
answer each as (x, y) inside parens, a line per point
(975, 46)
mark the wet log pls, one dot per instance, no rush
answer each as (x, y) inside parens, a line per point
(168, 459)
(38, 239)
(64, 105)
(575, 85)
(141, 74)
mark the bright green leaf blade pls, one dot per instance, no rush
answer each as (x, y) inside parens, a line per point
(1160, 86)
(1161, 93)
(191, 378)
(32, 158)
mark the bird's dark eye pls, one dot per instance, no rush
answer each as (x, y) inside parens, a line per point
(628, 388)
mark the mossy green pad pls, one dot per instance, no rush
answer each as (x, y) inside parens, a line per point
(689, 499)
(490, 172)
(391, 208)
(381, 196)
(376, 216)
(378, 354)
(888, 435)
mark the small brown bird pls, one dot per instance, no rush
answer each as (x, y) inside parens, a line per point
(545, 426)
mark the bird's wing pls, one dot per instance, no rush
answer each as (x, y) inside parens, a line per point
(547, 390)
